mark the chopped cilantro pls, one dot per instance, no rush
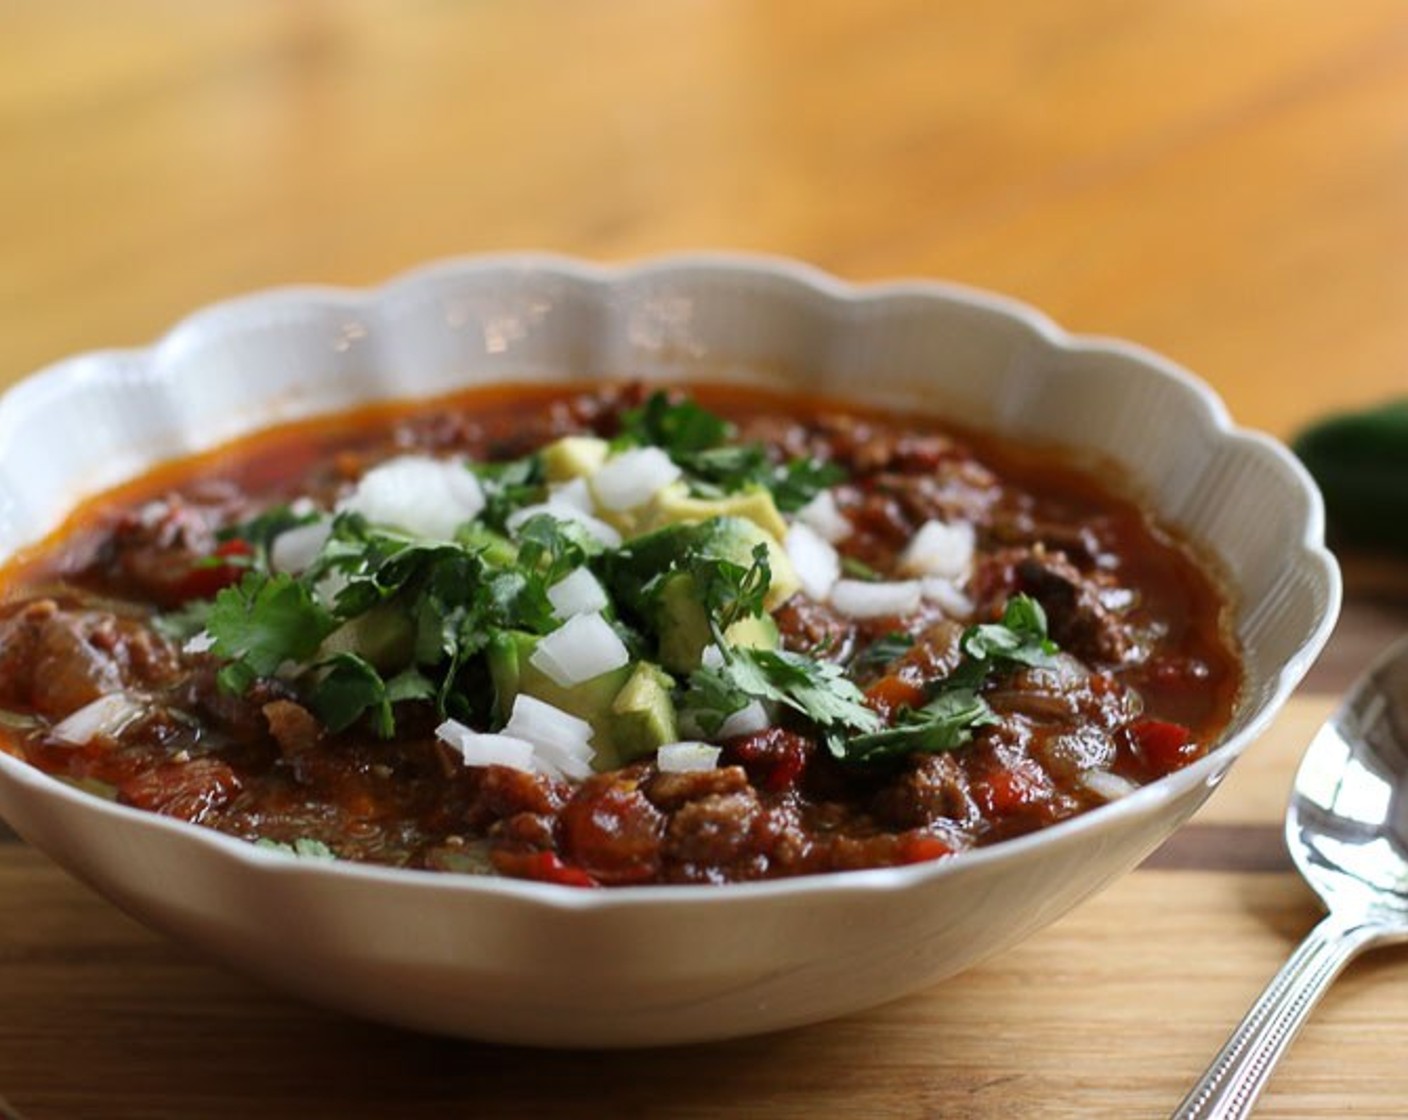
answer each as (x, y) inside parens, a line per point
(680, 427)
(509, 486)
(262, 622)
(858, 569)
(554, 546)
(798, 481)
(695, 439)
(818, 690)
(883, 650)
(1020, 636)
(259, 531)
(184, 622)
(351, 686)
(302, 848)
(730, 591)
(955, 707)
(944, 723)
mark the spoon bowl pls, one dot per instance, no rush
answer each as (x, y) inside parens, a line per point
(1347, 824)
(1347, 831)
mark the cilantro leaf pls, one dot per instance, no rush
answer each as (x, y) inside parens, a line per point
(263, 621)
(680, 427)
(1019, 639)
(554, 546)
(259, 531)
(302, 848)
(723, 470)
(351, 685)
(883, 650)
(955, 707)
(184, 622)
(858, 569)
(730, 591)
(696, 439)
(509, 486)
(943, 724)
(818, 690)
(798, 481)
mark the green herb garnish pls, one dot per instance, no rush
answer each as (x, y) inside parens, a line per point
(302, 848)
(697, 440)
(262, 622)
(955, 708)
(818, 690)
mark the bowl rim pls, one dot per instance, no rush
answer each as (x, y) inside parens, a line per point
(32, 389)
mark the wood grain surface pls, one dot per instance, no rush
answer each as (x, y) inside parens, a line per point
(1226, 182)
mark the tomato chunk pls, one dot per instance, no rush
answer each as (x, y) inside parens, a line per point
(612, 830)
(889, 694)
(1164, 747)
(921, 847)
(213, 573)
(542, 867)
(775, 759)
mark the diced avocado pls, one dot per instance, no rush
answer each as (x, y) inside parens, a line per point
(496, 548)
(724, 538)
(681, 622)
(683, 626)
(674, 505)
(733, 538)
(512, 672)
(383, 635)
(573, 457)
(754, 632)
(643, 713)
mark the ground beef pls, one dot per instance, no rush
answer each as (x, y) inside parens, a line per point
(161, 551)
(813, 628)
(56, 659)
(191, 790)
(293, 727)
(1080, 621)
(931, 789)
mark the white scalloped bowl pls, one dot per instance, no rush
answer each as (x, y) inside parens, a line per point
(536, 963)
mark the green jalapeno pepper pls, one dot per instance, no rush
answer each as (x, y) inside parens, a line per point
(1360, 460)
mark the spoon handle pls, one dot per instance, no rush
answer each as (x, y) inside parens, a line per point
(1236, 1077)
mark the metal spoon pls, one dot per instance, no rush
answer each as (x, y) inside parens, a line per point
(1347, 831)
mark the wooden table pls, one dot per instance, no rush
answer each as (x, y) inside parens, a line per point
(1225, 182)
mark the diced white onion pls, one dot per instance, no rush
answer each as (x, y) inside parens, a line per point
(633, 477)
(581, 648)
(576, 494)
(711, 656)
(152, 514)
(1104, 784)
(579, 592)
(680, 758)
(604, 533)
(419, 495)
(815, 561)
(557, 763)
(860, 599)
(294, 549)
(480, 749)
(543, 724)
(203, 641)
(825, 518)
(330, 587)
(105, 716)
(940, 550)
(748, 720)
(950, 600)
